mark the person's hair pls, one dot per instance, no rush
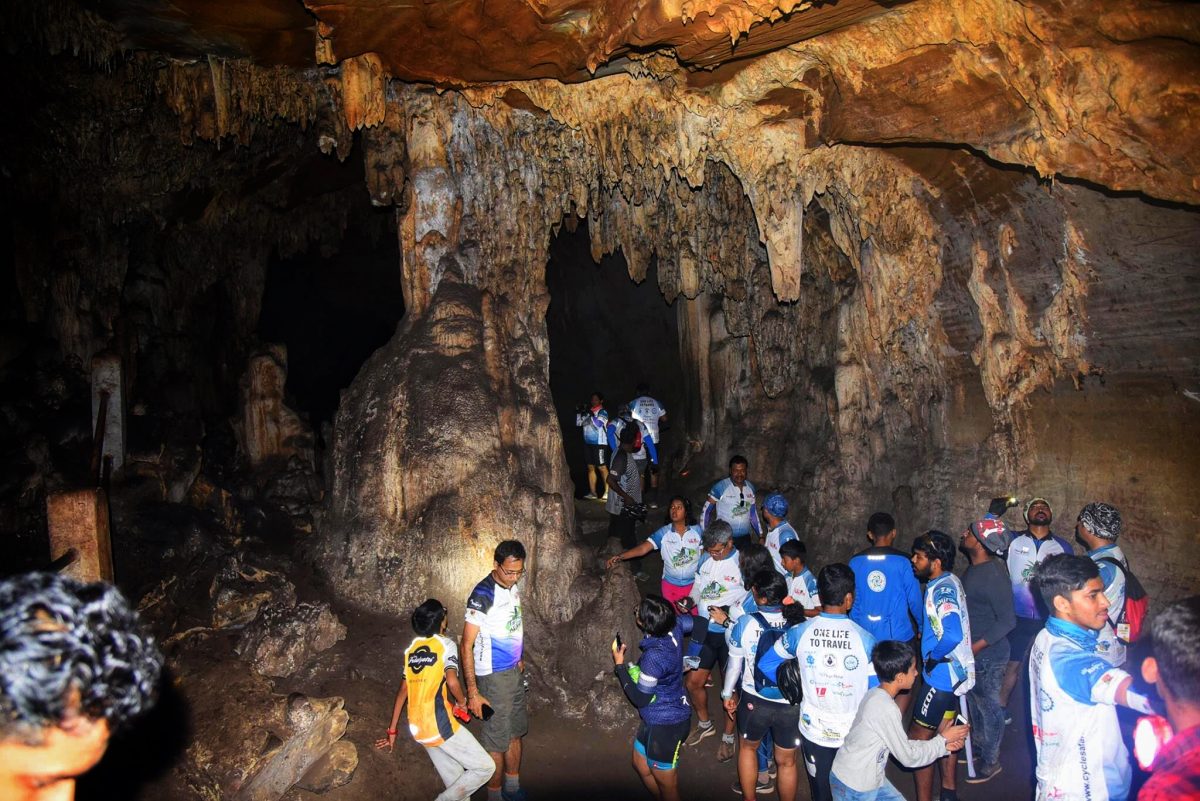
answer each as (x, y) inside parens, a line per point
(656, 616)
(754, 559)
(69, 649)
(1063, 574)
(770, 585)
(509, 549)
(936, 545)
(794, 549)
(880, 524)
(688, 516)
(891, 658)
(718, 532)
(427, 618)
(738, 459)
(1175, 645)
(599, 395)
(642, 388)
(629, 434)
(834, 583)
(793, 614)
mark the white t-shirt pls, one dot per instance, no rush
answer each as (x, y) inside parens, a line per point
(718, 583)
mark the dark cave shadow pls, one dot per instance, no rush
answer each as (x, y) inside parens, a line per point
(144, 753)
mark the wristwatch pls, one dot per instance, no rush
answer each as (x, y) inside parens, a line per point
(725, 696)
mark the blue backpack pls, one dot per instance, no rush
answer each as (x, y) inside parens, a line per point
(764, 685)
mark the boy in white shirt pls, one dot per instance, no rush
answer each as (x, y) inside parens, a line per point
(878, 732)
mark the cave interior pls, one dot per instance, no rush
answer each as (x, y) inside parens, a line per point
(342, 273)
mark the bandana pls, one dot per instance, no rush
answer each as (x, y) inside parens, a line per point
(1102, 520)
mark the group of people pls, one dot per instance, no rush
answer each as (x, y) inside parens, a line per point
(819, 670)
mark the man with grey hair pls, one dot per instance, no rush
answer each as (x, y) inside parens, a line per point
(1098, 527)
(718, 585)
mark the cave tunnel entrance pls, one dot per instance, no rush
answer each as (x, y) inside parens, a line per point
(333, 311)
(609, 334)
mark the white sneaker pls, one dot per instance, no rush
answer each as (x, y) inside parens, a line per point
(591, 496)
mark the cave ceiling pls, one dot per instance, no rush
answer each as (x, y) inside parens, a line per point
(1098, 91)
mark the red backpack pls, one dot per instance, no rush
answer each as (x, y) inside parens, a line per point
(1137, 603)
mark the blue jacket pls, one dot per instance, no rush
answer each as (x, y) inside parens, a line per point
(886, 593)
(656, 687)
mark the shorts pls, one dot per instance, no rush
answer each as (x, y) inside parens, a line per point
(934, 707)
(596, 455)
(757, 716)
(674, 592)
(506, 692)
(659, 743)
(715, 649)
(1020, 639)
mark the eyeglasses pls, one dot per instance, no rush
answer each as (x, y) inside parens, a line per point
(742, 497)
(512, 573)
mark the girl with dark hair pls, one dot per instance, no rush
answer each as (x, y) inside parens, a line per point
(655, 686)
(679, 543)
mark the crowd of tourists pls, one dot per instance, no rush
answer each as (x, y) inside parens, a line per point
(818, 668)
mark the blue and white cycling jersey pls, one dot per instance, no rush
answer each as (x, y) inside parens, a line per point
(718, 583)
(680, 553)
(1072, 697)
(1108, 644)
(886, 593)
(946, 634)
(646, 409)
(776, 537)
(733, 504)
(594, 425)
(1026, 552)
(497, 613)
(743, 650)
(802, 588)
(647, 451)
(835, 673)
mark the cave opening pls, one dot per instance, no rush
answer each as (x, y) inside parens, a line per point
(332, 311)
(609, 334)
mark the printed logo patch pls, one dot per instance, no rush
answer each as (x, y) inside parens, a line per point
(421, 658)
(1045, 701)
(810, 660)
(830, 660)
(850, 662)
(876, 580)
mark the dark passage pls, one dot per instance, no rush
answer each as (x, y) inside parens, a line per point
(608, 334)
(332, 312)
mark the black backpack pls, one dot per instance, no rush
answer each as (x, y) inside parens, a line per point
(766, 643)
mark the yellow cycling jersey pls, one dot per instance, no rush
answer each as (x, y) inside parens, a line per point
(430, 709)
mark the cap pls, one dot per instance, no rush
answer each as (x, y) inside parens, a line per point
(777, 505)
(990, 533)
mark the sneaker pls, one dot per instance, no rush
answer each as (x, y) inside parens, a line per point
(986, 773)
(515, 795)
(772, 769)
(690, 663)
(652, 505)
(603, 498)
(761, 788)
(699, 733)
(591, 496)
(727, 750)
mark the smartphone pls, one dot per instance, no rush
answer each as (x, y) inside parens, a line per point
(487, 712)
(617, 641)
(960, 720)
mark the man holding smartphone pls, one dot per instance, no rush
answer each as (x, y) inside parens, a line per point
(494, 636)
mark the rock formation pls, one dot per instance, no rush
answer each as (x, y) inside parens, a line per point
(919, 254)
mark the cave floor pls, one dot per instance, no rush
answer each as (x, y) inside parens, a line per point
(564, 758)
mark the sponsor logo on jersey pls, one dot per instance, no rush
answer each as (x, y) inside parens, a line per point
(876, 580)
(850, 662)
(514, 621)
(1045, 701)
(422, 658)
(830, 660)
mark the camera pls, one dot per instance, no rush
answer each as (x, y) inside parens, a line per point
(637, 511)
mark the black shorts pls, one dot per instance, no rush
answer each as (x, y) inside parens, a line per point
(596, 455)
(757, 716)
(659, 743)
(934, 706)
(1021, 638)
(715, 649)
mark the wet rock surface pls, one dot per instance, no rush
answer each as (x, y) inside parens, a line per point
(283, 637)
